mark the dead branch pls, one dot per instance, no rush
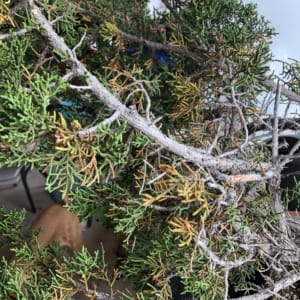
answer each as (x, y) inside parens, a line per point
(194, 155)
(278, 286)
(268, 83)
(92, 130)
(201, 242)
(7, 36)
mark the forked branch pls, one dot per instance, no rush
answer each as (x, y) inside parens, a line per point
(197, 156)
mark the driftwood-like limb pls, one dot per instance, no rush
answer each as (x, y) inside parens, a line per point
(191, 154)
(226, 264)
(277, 287)
(276, 204)
(223, 263)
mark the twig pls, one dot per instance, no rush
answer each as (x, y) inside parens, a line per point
(226, 284)
(250, 177)
(142, 90)
(161, 208)
(96, 295)
(241, 115)
(267, 101)
(156, 178)
(145, 174)
(7, 36)
(79, 88)
(216, 138)
(69, 76)
(92, 130)
(56, 19)
(147, 100)
(216, 259)
(271, 85)
(41, 59)
(290, 156)
(275, 124)
(21, 32)
(79, 43)
(278, 286)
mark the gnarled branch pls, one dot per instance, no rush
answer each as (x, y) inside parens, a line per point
(192, 154)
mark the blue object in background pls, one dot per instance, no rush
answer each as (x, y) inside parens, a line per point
(131, 50)
(72, 109)
(159, 56)
(164, 58)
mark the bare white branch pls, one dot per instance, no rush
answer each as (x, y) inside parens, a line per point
(197, 156)
(278, 286)
(80, 43)
(201, 242)
(161, 208)
(79, 88)
(275, 125)
(92, 130)
(7, 36)
(241, 115)
(96, 295)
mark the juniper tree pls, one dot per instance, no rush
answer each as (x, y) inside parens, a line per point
(144, 120)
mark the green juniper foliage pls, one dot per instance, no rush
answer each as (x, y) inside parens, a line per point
(194, 71)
